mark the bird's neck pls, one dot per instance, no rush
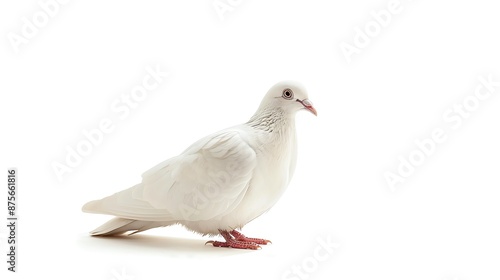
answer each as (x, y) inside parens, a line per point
(274, 120)
(275, 136)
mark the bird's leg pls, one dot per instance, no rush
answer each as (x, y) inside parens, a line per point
(233, 243)
(240, 237)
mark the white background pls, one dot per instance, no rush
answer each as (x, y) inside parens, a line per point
(441, 223)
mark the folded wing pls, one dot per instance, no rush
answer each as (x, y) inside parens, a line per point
(206, 182)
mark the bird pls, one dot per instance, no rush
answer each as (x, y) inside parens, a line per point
(221, 182)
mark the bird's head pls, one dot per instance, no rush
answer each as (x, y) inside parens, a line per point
(290, 96)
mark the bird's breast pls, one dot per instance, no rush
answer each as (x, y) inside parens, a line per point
(276, 156)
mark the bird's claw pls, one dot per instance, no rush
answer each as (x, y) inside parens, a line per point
(240, 237)
(235, 244)
(235, 239)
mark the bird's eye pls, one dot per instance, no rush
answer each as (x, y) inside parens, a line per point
(288, 94)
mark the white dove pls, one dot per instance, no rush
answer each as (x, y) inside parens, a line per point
(221, 182)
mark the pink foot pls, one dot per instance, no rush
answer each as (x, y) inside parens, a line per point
(239, 241)
(240, 237)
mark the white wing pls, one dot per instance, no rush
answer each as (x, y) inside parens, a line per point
(205, 182)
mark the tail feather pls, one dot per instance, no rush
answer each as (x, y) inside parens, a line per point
(94, 206)
(119, 226)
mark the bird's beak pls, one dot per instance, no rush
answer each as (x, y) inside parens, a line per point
(308, 105)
